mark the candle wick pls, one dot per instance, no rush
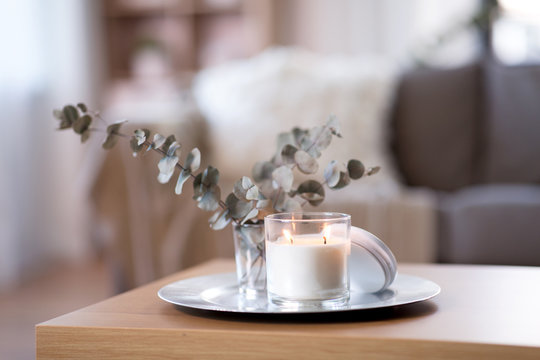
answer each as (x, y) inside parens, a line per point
(324, 237)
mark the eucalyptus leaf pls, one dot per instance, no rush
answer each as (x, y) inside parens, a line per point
(287, 154)
(82, 124)
(283, 177)
(198, 188)
(331, 173)
(173, 148)
(355, 168)
(70, 113)
(212, 219)
(210, 200)
(158, 141)
(140, 136)
(204, 181)
(238, 208)
(222, 219)
(238, 190)
(250, 215)
(299, 135)
(312, 191)
(283, 139)
(133, 143)
(210, 176)
(252, 193)
(64, 123)
(168, 141)
(244, 189)
(166, 168)
(115, 127)
(85, 135)
(263, 203)
(343, 181)
(193, 160)
(291, 205)
(262, 170)
(57, 113)
(109, 142)
(83, 107)
(333, 125)
(306, 163)
(182, 178)
(373, 170)
(317, 140)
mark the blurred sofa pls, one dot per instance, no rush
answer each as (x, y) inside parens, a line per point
(472, 136)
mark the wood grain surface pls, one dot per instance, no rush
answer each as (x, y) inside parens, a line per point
(482, 312)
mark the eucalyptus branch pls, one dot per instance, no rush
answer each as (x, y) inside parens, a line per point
(246, 202)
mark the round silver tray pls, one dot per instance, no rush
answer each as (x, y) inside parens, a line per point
(219, 292)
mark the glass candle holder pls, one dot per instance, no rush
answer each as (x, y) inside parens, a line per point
(306, 259)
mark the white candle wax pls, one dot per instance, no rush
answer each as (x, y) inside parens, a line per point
(307, 268)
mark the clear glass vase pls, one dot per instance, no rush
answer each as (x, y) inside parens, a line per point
(250, 258)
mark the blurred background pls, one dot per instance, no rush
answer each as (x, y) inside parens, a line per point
(443, 95)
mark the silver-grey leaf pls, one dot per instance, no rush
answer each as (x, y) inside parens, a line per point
(210, 176)
(166, 168)
(318, 139)
(133, 143)
(331, 173)
(173, 148)
(252, 193)
(70, 113)
(373, 170)
(222, 220)
(263, 203)
(333, 125)
(168, 141)
(182, 178)
(306, 163)
(287, 154)
(283, 177)
(238, 208)
(250, 215)
(115, 127)
(291, 205)
(312, 191)
(158, 141)
(140, 136)
(284, 139)
(110, 141)
(238, 190)
(262, 170)
(85, 135)
(246, 182)
(210, 200)
(193, 160)
(82, 123)
(83, 107)
(343, 181)
(57, 113)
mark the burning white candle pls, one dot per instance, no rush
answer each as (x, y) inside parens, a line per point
(308, 267)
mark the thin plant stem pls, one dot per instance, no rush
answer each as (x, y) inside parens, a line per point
(221, 203)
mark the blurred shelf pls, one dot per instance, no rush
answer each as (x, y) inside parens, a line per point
(164, 38)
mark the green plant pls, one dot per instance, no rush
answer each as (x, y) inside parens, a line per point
(272, 188)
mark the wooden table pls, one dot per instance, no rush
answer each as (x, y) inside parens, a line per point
(490, 312)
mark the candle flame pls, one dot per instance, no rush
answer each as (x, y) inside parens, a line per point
(326, 233)
(287, 235)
